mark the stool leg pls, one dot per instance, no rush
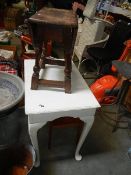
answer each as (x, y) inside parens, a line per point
(67, 39)
(67, 73)
(36, 69)
(49, 48)
(69, 36)
(44, 53)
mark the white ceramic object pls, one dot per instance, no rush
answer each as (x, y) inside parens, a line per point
(11, 91)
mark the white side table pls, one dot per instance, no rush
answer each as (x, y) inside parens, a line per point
(47, 104)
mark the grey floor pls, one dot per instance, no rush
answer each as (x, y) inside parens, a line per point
(104, 152)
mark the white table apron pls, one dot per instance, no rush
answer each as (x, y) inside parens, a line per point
(47, 104)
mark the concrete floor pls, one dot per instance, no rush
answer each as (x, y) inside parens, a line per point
(104, 152)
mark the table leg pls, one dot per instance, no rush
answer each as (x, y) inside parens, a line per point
(33, 129)
(86, 128)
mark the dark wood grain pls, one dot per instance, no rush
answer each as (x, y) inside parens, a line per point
(59, 25)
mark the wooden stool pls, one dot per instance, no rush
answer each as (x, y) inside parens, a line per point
(57, 25)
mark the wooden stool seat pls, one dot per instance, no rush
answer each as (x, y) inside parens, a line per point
(53, 16)
(59, 25)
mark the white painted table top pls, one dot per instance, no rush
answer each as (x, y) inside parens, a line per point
(47, 100)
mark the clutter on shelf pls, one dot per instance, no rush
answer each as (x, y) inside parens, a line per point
(5, 36)
(8, 61)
